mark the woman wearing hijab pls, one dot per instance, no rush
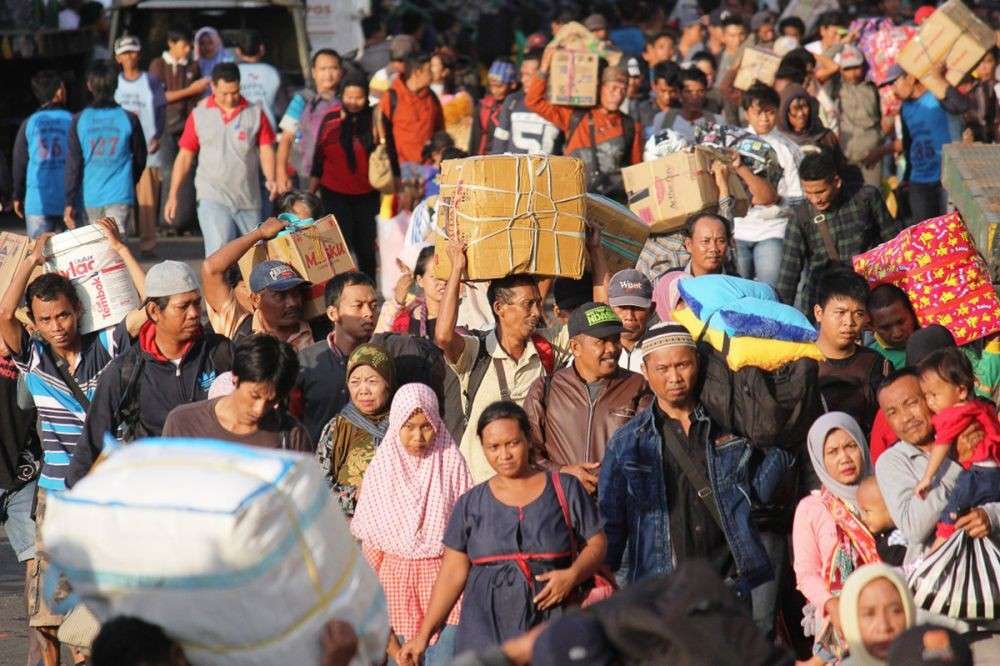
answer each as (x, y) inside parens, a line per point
(875, 608)
(340, 170)
(410, 487)
(518, 547)
(209, 50)
(798, 119)
(829, 540)
(348, 442)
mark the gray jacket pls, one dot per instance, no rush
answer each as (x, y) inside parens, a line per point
(898, 471)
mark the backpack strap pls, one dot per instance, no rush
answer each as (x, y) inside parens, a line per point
(244, 330)
(695, 477)
(574, 121)
(479, 367)
(126, 414)
(564, 505)
(628, 129)
(71, 384)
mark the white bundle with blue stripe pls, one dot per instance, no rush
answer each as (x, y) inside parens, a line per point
(241, 554)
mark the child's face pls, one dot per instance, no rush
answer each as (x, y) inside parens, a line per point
(852, 74)
(180, 49)
(874, 512)
(940, 394)
(762, 118)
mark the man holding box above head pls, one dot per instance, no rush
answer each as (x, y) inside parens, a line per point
(602, 137)
(277, 293)
(233, 140)
(61, 368)
(503, 363)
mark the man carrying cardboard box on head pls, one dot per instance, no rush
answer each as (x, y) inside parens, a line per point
(276, 293)
(602, 137)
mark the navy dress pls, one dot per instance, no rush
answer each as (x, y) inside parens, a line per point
(498, 597)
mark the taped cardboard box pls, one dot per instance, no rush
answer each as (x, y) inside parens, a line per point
(968, 173)
(516, 213)
(756, 65)
(623, 234)
(573, 78)
(952, 35)
(317, 252)
(663, 193)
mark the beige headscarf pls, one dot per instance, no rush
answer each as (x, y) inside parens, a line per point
(849, 596)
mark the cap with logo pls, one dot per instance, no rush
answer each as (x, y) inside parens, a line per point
(127, 44)
(275, 275)
(630, 287)
(596, 320)
(849, 56)
(502, 71)
(169, 278)
(632, 67)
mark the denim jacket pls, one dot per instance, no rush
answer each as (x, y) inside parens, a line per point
(633, 498)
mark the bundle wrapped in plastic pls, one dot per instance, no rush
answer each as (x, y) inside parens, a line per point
(663, 142)
(241, 554)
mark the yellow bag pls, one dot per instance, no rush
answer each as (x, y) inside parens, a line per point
(747, 351)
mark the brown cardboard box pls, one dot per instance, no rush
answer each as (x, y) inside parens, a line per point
(952, 35)
(516, 213)
(622, 232)
(663, 193)
(317, 252)
(756, 65)
(573, 78)
(575, 37)
(13, 249)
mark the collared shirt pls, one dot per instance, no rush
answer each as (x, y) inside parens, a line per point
(519, 374)
(227, 322)
(189, 139)
(857, 223)
(631, 360)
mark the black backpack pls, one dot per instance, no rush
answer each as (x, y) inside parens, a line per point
(685, 618)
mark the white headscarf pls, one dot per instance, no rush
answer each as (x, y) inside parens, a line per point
(849, 597)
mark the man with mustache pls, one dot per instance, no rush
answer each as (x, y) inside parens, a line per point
(594, 392)
(630, 295)
(708, 239)
(900, 468)
(277, 293)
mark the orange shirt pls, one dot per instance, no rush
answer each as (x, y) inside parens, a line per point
(414, 120)
(607, 125)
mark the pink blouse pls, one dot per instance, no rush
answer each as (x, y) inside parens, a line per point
(814, 539)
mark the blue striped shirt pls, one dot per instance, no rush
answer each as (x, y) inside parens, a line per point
(60, 414)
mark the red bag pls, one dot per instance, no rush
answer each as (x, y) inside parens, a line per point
(604, 582)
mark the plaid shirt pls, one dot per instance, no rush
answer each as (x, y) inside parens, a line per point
(857, 224)
(664, 252)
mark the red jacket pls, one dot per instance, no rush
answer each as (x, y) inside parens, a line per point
(330, 162)
(414, 119)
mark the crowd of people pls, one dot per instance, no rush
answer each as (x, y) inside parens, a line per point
(509, 452)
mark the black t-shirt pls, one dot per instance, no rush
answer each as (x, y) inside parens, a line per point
(851, 384)
(17, 429)
(693, 531)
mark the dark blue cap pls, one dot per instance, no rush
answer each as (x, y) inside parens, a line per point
(276, 275)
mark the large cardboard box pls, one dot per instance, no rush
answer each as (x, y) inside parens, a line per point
(756, 65)
(317, 252)
(516, 213)
(573, 78)
(13, 249)
(663, 193)
(968, 173)
(952, 35)
(623, 234)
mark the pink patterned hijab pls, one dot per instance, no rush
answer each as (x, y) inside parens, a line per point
(406, 501)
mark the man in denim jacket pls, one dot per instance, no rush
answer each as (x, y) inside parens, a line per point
(664, 514)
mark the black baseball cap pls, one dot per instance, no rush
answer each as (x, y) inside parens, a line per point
(928, 645)
(597, 320)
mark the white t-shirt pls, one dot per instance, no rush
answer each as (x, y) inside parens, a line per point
(765, 222)
(259, 84)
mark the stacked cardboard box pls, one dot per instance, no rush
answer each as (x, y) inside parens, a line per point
(623, 234)
(516, 214)
(317, 252)
(969, 174)
(663, 193)
(952, 36)
(573, 74)
(756, 65)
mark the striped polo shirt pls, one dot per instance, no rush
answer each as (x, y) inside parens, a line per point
(60, 414)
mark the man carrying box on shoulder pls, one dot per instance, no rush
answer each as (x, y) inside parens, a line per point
(277, 293)
(61, 370)
(602, 136)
